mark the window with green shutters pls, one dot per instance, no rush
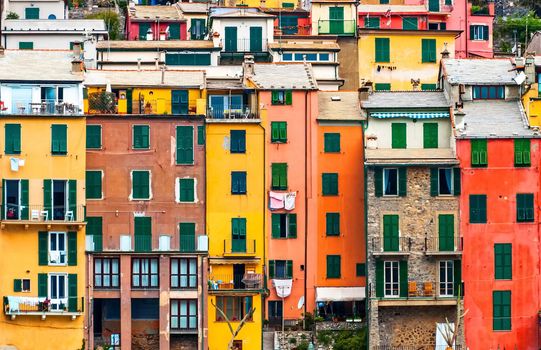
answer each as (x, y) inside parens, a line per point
(430, 135)
(371, 22)
(26, 45)
(398, 135)
(198, 29)
(503, 261)
(59, 139)
(429, 87)
(143, 233)
(428, 50)
(360, 270)
(21, 285)
(187, 236)
(332, 224)
(329, 184)
(390, 181)
(284, 225)
(238, 235)
(93, 184)
(278, 132)
(13, 139)
(42, 285)
(180, 102)
(256, 39)
(140, 184)
(72, 248)
(93, 136)
(391, 233)
(279, 176)
(72, 292)
(94, 228)
(141, 137)
(333, 266)
(410, 23)
(445, 182)
(522, 153)
(238, 182)
(200, 134)
(280, 269)
(186, 190)
(230, 44)
(382, 87)
(143, 30)
(31, 13)
(446, 232)
(501, 310)
(185, 145)
(331, 142)
(525, 207)
(174, 31)
(281, 97)
(187, 59)
(478, 208)
(383, 50)
(479, 155)
(237, 141)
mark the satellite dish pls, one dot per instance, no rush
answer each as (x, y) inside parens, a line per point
(300, 304)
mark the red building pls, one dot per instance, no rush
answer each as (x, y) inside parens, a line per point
(155, 23)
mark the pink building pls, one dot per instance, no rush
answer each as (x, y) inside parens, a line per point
(155, 23)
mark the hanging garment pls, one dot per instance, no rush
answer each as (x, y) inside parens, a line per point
(289, 201)
(276, 200)
(14, 164)
(283, 287)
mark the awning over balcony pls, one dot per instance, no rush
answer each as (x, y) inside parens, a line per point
(412, 115)
(340, 293)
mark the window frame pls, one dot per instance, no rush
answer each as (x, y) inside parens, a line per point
(190, 276)
(193, 189)
(240, 141)
(133, 145)
(385, 172)
(331, 142)
(429, 50)
(62, 253)
(178, 316)
(452, 188)
(241, 180)
(447, 279)
(393, 285)
(110, 273)
(478, 90)
(281, 97)
(149, 274)
(132, 196)
(281, 173)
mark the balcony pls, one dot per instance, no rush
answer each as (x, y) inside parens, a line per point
(232, 113)
(14, 214)
(337, 27)
(42, 107)
(443, 246)
(239, 247)
(39, 306)
(419, 293)
(390, 246)
(108, 103)
(143, 244)
(415, 347)
(293, 30)
(229, 282)
(234, 50)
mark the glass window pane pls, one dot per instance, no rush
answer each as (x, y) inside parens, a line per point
(183, 266)
(154, 280)
(115, 281)
(193, 281)
(154, 266)
(106, 280)
(97, 281)
(115, 266)
(144, 280)
(183, 281)
(174, 266)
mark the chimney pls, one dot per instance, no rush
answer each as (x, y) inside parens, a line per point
(138, 64)
(416, 83)
(163, 74)
(445, 53)
(248, 66)
(529, 67)
(77, 66)
(76, 49)
(365, 91)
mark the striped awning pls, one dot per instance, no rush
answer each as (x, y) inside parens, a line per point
(412, 115)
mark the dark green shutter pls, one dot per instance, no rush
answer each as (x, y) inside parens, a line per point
(93, 184)
(428, 47)
(402, 182)
(430, 135)
(143, 233)
(59, 139)
(72, 248)
(409, 23)
(434, 182)
(17, 285)
(478, 209)
(275, 222)
(522, 153)
(289, 268)
(129, 100)
(72, 292)
(200, 134)
(141, 135)
(525, 207)
(403, 278)
(485, 32)
(271, 268)
(43, 248)
(31, 13)
(456, 181)
(72, 197)
(382, 50)
(47, 197)
(256, 39)
(446, 232)
(289, 97)
(279, 176)
(434, 5)
(24, 199)
(174, 31)
(275, 97)
(398, 135)
(331, 142)
(140, 184)
(230, 39)
(13, 139)
(501, 304)
(378, 182)
(94, 227)
(185, 145)
(186, 188)
(479, 156)
(179, 102)
(457, 270)
(292, 226)
(42, 285)
(187, 236)
(26, 45)
(380, 278)
(3, 214)
(143, 30)
(391, 237)
(93, 136)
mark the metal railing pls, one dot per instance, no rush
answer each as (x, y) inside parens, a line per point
(244, 45)
(107, 103)
(293, 30)
(337, 26)
(391, 244)
(44, 107)
(251, 281)
(188, 243)
(233, 112)
(40, 213)
(443, 244)
(21, 305)
(142, 243)
(414, 347)
(239, 246)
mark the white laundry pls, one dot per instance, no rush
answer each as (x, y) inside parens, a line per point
(283, 287)
(276, 200)
(289, 201)
(21, 162)
(13, 303)
(54, 256)
(14, 164)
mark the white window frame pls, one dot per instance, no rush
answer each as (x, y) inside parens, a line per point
(25, 290)
(101, 137)
(149, 185)
(61, 253)
(5, 192)
(55, 302)
(177, 189)
(449, 285)
(66, 198)
(393, 285)
(133, 138)
(385, 170)
(452, 182)
(478, 32)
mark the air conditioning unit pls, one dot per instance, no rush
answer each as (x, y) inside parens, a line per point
(125, 243)
(89, 243)
(203, 243)
(165, 243)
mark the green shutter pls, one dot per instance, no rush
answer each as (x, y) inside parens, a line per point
(434, 182)
(143, 30)
(525, 207)
(289, 268)
(3, 211)
(186, 190)
(503, 256)
(141, 184)
(428, 47)
(479, 157)
(371, 22)
(24, 199)
(47, 197)
(522, 153)
(409, 23)
(93, 184)
(93, 136)
(72, 248)
(141, 136)
(42, 285)
(26, 45)
(330, 184)
(185, 145)
(402, 182)
(275, 222)
(382, 50)
(456, 181)
(279, 176)
(457, 271)
(360, 270)
(143, 233)
(331, 142)
(187, 236)
(174, 31)
(43, 248)
(429, 87)
(478, 209)
(501, 305)
(256, 39)
(292, 226)
(382, 87)
(271, 268)
(279, 132)
(378, 182)
(59, 139)
(333, 266)
(72, 292)
(17, 285)
(237, 141)
(31, 13)
(430, 135)
(289, 97)
(332, 224)
(180, 103)
(398, 131)
(391, 239)
(230, 39)
(380, 278)
(200, 134)
(434, 5)
(13, 139)
(72, 197)
(94, 227)
(446, 232)
(403, 278)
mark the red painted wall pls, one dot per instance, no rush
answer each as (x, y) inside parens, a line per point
(133, 29)
(500, 181)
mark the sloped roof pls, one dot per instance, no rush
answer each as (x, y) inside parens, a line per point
(395, 9)
(155, 44)
(242, 13)
(339, 106)
(479, 71)
(153, 12)
(193, 7)
(153, 78)
(37, 65)
(284, 76)
(54, 25)
(406, 99)
(535, 44)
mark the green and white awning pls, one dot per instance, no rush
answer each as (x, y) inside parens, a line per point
(411, 115)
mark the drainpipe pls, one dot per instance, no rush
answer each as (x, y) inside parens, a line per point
(466, 25)
(203, 282)
(305, 205)
(367, 305)
(264, 235)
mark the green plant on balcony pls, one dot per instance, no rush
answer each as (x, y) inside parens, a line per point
(102, 102)
(12, 15)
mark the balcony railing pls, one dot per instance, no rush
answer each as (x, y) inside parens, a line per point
(239, 246)
(250, 281)
(41, 306)
(44, 107)
(188, 243)
(102, 103)
(15, 213)
(480, 10)
(443, 245)
(337, 26)
(107, 103)
(244, 45)
(415, 347)
(233, 112)
(293, 30)
(391, 245)
(142, 243)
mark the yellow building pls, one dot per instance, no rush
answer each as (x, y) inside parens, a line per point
(269, 4)
(334, 17)
(531, 101)
(402, 59)
(42, 228)
(235, 215)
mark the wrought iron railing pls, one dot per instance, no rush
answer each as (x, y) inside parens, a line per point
(38, 213)
(239, 246)
(253, 281)
(443, 244)
(391, 244)
(232, 112)
(337, 26)
(45, 107)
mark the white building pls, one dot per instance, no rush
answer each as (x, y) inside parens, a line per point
(36, 9)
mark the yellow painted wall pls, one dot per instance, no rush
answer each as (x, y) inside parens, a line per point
(405, 58)
(19, 246)
(532, 105)
(320, 11)
(222, 206)
(262, 3)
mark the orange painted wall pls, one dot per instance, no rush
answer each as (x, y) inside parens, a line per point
(302, 112)
(501, 181)
(350, 245)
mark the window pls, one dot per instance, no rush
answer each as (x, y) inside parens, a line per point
(281, 269)
(179, 102)
(383, 1)
(238, 182)
(186, 190)
(235, 308)
(479, 155)
(501, 310)
(437, 26)
(184, 314)
(144, 30)
(93, 184)
(324, 56)
(391, 279)
(522, 153)
(59, 197)
(360, 270)
(410, 23)
(198, 29)
(72, 43)
(430, 135)
(238, 141)
(279, 176)
(299, 57)
(13, 139)
(94, 228)
(478, 208)
(187, 59)
(333, 266)
(390, 182)
(15, 199)
(332, 224)
(31, 13)
(447, 278)
(382, 50)
(106, 273)
(200, 134)
(59, 139)
(93, 136)
(141, 137)
(444, 181)
(525, 207)
(26, 45)
(446, 232)
(284, 225)
(281, 97)
(238, 235)
(184, 144)
(58, 291)
(310, 57)
(391, 233)
(288, 24)
(330, 184)
(486, 92)
(278, 132)
(187, 236)
(183, 273)
(503, 261)
(57, 248)
(428, 50)
(398, 135)
(142, 232)
(371, 22)
(331, 142)
(144, 272)
(140, 184)
(21, 285)
(429, 87)
(478, 32)
(382, 87)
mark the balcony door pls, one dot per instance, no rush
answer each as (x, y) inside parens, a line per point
(336, 20)
(15, 206)
(60, 199)
(58, 285)
(221, 106)
(447, 278)
(238, 275)
(256, 39)
(230, 39)
(446, 232)
(238, 235)
(434, 5)
(390, 233)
